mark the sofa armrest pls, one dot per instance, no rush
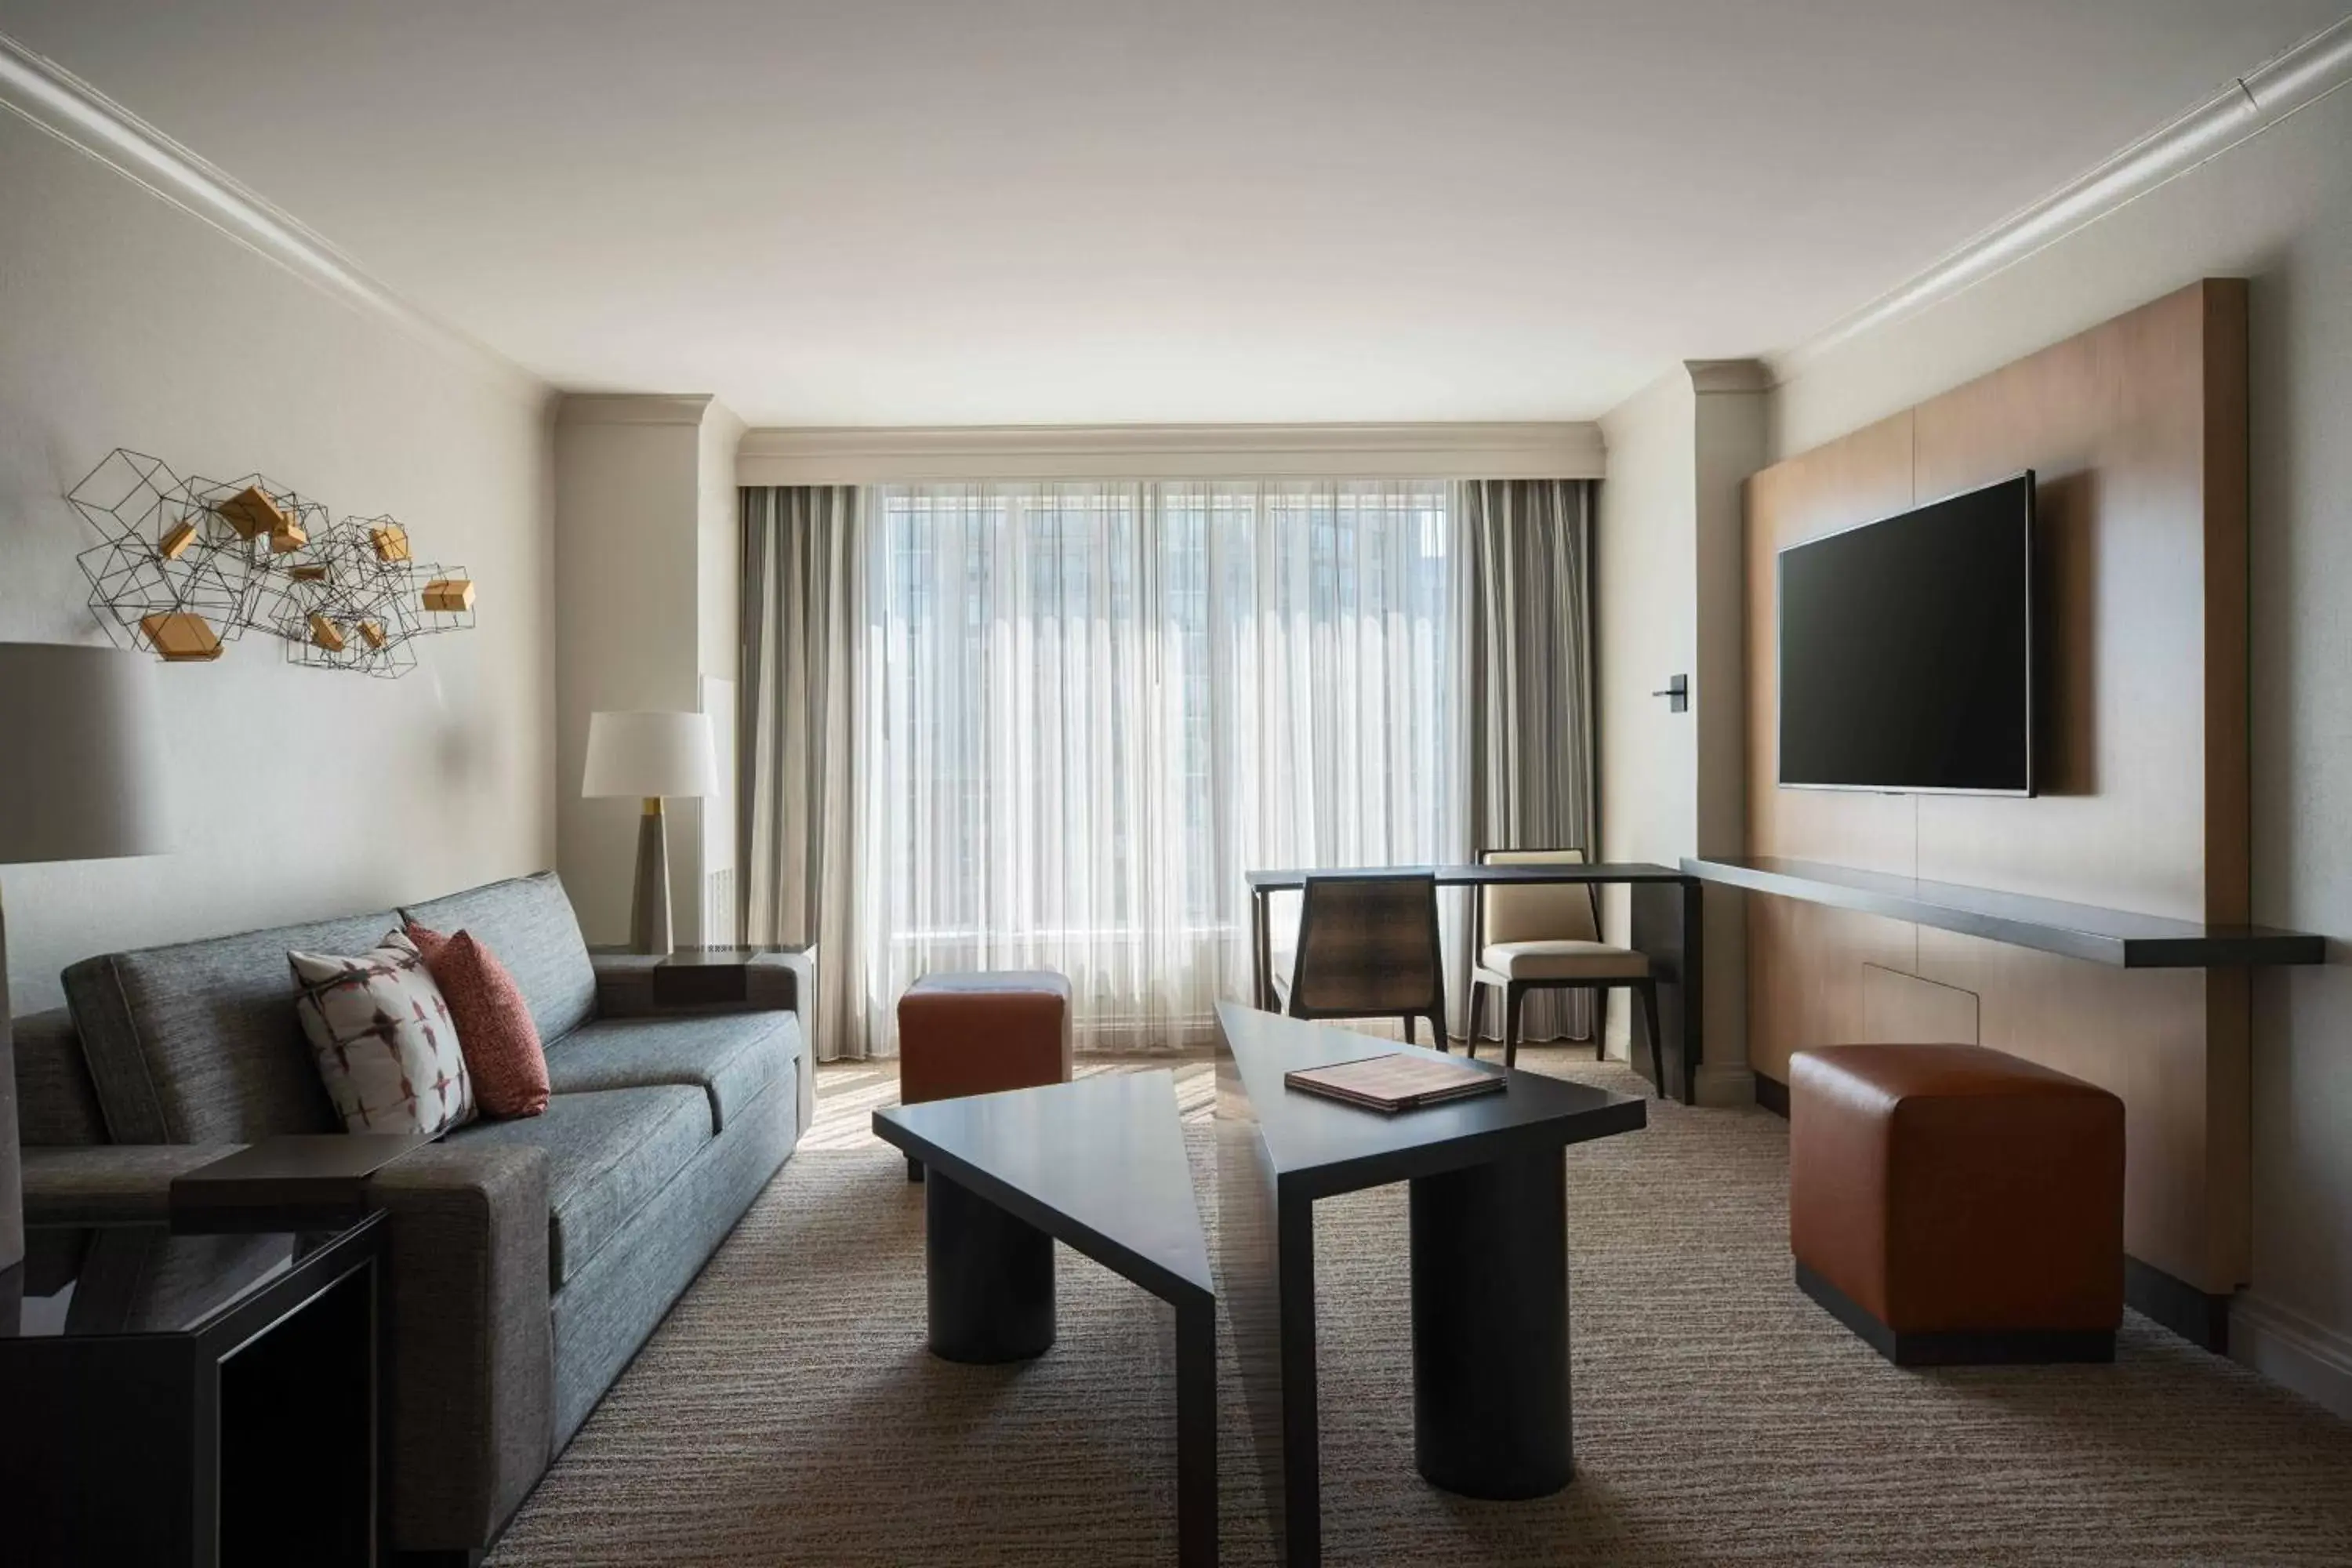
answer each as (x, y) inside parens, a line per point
(110, 1183)
(802, 962)
(470, 1375)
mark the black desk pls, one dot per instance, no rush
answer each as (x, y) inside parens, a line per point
(1100, 1165)
(1667, 929)
(176, 1398)
(1489, 1240)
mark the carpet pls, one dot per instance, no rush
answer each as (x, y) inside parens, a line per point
(786, 1413)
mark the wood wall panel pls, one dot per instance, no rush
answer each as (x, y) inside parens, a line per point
(2136, 432)
(1804, 965)
(2113, 423)
(1904, 1009)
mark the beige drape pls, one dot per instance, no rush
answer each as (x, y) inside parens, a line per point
(1529, 724)
(800, 625)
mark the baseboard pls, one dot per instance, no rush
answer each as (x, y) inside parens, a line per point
(1726, 1084)
(1773, 1095)
(2198, 1316)
(2292, 1352)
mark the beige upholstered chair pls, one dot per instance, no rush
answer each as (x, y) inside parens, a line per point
(1547, 936)
(1368, 948)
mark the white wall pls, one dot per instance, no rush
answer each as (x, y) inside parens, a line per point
(1728, 446)
(1669, 577)
(1645, 617)
(297, 793)
(647, 573)
(718, 572)
(2278, 211)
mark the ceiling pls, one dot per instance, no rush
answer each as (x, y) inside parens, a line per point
(878, 212)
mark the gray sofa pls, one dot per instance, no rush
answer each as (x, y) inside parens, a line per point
(529, 1260)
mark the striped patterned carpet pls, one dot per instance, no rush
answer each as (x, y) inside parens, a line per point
(787, 1413)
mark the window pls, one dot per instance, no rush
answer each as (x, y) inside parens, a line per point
(1092, 707)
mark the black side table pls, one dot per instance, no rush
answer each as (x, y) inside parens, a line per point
(700, 979)
(204, 1399)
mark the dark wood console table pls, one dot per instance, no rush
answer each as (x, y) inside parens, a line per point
(2086, 931)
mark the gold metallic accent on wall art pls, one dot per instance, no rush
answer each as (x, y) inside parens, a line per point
(180, 637)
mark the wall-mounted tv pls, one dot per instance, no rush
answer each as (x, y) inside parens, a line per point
(1907, 650)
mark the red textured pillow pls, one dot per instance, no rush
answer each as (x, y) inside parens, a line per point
(500, 1044)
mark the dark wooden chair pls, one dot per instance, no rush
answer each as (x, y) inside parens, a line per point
(1547, 937)
(1368, 948)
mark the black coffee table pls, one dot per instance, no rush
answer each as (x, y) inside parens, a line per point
(1489, 1240)
(1100, 1165)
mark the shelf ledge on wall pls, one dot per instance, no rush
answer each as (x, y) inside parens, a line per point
(2116, 936)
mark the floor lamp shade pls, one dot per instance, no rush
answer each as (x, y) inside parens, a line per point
(650, 756)
(81, 765)
(81, 757)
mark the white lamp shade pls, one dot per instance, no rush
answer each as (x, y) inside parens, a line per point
(81, 755)
(650, 755)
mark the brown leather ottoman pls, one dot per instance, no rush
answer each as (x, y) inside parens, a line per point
(976, 1034)
(1950, 1204)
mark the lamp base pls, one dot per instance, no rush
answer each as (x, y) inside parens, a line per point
(649, 928)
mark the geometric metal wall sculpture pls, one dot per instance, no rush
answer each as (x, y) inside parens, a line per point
(187, 566)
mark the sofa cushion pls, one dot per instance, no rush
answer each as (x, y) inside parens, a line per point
(196, 1043)
(529, 924)
(608, 1152)
(57, 1105)
(730, 1056)
(1563, 958)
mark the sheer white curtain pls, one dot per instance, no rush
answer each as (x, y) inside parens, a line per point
(1089, 708)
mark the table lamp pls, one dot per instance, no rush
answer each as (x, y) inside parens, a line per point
(81, 778)
(652, 756)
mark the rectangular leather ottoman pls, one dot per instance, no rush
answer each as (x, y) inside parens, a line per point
(1951, 1204)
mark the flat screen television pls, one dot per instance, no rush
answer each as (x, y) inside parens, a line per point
(1907, 650)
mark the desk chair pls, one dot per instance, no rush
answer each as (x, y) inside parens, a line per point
(1547, 937)
(1368, 948)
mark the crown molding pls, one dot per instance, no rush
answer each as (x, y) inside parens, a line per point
(1709, 375)
(632, 408)
(55, 101)
(2249, 105)
(869, 454)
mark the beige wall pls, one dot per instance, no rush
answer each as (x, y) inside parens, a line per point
(2278, 211)
(297, 793)
(1645, 601)
(646, 589)
(1668, 586)
(1728, 446)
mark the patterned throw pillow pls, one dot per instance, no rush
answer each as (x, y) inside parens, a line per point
(503, 1054)
(381, 1034)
